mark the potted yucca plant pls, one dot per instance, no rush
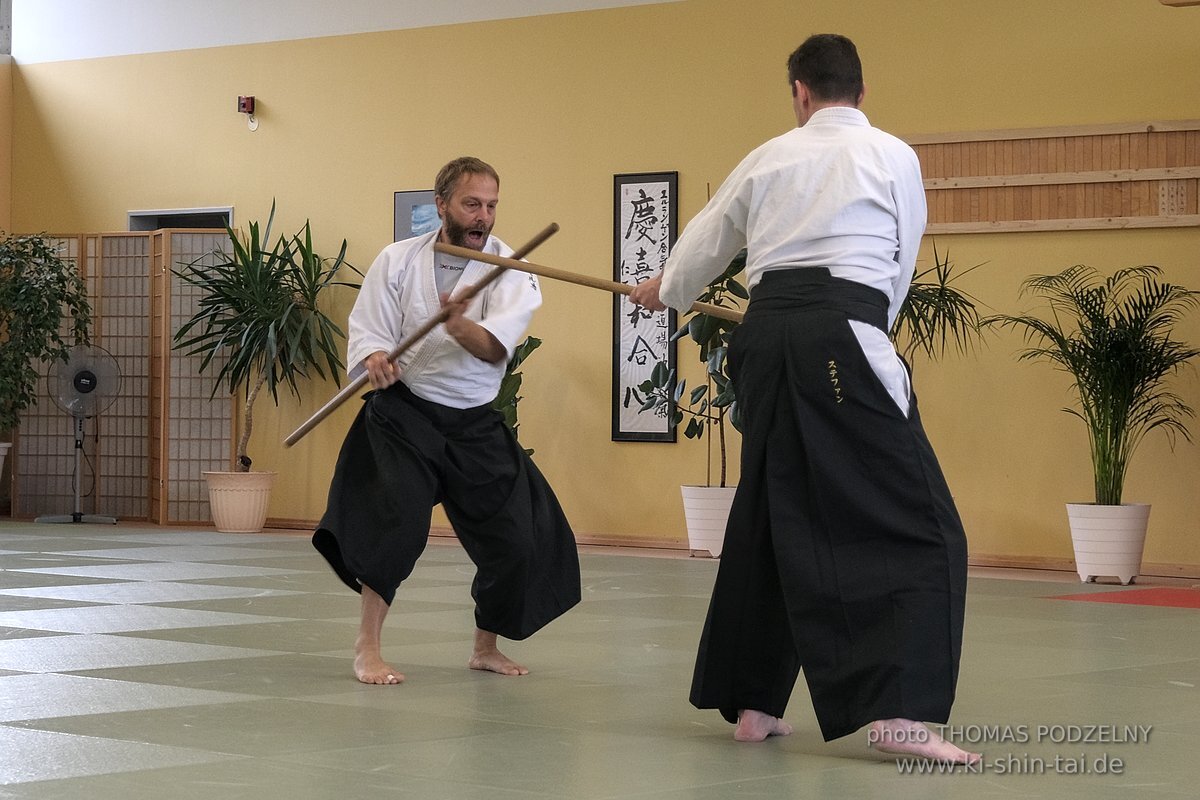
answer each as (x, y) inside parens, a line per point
(1115, 337)
(259, 325)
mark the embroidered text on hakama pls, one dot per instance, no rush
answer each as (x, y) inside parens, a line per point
(835, 381)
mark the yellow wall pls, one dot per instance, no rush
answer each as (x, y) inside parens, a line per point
(561, 103)
(6, 150)
(6, 83)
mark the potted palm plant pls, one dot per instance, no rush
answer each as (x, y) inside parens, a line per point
(1114, 337)
(38, 288)
(259, 325)
(935, 316)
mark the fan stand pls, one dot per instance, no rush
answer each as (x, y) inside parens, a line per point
(77, 515)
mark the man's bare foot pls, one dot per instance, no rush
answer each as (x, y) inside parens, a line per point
(487, 656)
(754, 726)
(492, 660)
(369, 667)
(905, 737)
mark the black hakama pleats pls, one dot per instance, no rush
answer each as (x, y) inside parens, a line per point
(844, 554)
(402, 456)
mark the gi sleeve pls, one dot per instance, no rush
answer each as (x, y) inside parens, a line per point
(911, 214)
(710, 240)
(509, 306)
(376, 318)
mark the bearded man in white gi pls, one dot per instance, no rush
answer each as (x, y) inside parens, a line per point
(427, 434)
(844, 554)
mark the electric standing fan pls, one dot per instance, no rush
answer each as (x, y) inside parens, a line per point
(83, 386)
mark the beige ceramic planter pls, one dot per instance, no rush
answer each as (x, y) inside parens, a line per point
(239, 500)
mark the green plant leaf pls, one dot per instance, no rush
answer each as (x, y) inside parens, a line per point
(44, 310)
(935, 314)
(510, 385)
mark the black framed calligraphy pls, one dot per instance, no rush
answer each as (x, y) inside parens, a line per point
(644, 227)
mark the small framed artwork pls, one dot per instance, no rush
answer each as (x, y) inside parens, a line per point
(644, 227)
(416, 213)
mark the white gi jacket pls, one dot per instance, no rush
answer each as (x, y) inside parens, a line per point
(835, 193)
(399, 294)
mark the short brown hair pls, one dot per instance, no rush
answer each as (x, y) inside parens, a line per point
(448, 175)
(828, 65)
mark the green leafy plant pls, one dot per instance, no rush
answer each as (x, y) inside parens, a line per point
(506, 401)
(257, 319)
(38, 288)
(713, 404)
(1114, 337)
(935, 315)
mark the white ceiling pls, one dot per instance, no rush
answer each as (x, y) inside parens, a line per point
(63, 30)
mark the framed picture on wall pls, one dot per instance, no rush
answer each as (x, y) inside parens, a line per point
(644, 227)
(415, 214)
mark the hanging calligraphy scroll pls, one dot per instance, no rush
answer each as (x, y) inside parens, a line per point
(644, 224)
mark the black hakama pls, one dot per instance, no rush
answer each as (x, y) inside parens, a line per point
(402, 456)
(844, 553)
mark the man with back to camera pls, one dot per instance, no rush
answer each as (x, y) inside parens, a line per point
(844, 553)
(427, 434)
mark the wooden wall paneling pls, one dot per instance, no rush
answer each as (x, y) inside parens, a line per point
(1064, 178)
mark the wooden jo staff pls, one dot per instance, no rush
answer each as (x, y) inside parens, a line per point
(430, 324)
(730, 314)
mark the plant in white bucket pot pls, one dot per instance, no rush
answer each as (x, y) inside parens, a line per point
(258, 323)
(1114, 337)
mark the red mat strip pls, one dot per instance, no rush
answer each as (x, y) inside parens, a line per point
(1164, 596)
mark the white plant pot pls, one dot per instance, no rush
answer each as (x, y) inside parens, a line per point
(706, 509)
(1108, 540)
(239, 500)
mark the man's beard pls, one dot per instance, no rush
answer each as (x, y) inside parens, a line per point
(461, 235)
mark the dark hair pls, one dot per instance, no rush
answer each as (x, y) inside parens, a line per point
(828, 65)
(448, 175)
